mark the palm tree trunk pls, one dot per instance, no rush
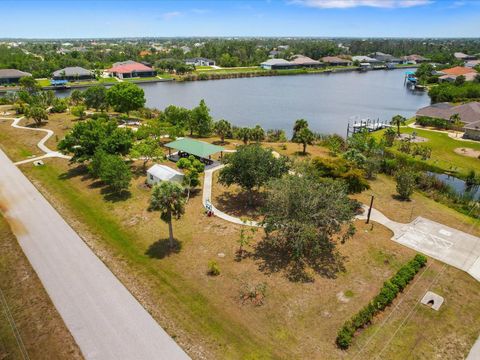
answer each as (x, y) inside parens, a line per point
(170, 231)
(304, 149)
(398, 128)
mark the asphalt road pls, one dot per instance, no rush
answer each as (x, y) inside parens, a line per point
(106, 321)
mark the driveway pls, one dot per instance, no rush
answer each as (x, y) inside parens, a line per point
(106, 321)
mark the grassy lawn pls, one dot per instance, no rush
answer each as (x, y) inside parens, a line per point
(298, 320)
(138, 79)
(43, 82)
(40, 326)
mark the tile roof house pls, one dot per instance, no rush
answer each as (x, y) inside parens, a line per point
(73, 73)
(415, 58)
(462, 56)
(11, 76)
(305, 61)
(469, 114)
(472, 63)
(335, 61)
(452, 73)
(276, 64)
(130, 69)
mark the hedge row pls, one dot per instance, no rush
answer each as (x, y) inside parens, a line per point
(387, 294)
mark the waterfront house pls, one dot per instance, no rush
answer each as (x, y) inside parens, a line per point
(385, 58)
(130, 69)
(472, 63)
(335, 61)
(469, 115)
(278, 64)
(73, 73)
(158, 173)
(464, 57)
(414, 59)
(11, 76)
(200, 61)
(451, 74)
(365, 59)
(305, 61)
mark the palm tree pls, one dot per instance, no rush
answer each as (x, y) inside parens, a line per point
(390, 135)
(398, 120)
(299, 124)
(222, 129)
(456, 120)
(169, 198)
(305, 137)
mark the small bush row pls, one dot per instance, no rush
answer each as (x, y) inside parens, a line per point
(387, 294)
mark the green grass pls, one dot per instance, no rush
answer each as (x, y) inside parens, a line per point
(443, 154)
(187, 306)
(43, 82)
(141, 79)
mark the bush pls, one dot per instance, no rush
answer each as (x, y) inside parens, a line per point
(385, 297)
(213, 268)
(405, 183)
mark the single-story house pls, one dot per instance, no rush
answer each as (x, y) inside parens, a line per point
(12, 76)
(365, 59)
(200, 61)
(469, 115)
(305, 61)
(465, 57)
(472, 63)
(73, 73)
(452, 73)
(387, 58)
(277, 64)
(415, 59)
(158, 173)
(335, 61)
(130, 69)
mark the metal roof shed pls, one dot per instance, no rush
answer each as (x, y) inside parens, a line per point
(159, 173)
(195, 147)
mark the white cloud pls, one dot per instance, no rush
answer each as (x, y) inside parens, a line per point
(170, 15)
(345, 4)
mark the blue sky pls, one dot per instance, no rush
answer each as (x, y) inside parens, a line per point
(357, 18)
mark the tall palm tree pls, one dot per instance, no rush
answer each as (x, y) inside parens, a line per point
(456, 120)
(398, 120)
(299, 125)
(169, 198)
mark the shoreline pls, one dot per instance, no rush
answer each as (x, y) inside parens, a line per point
(204, 76)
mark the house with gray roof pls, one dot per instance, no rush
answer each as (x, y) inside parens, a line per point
(278, 64)
(200, 61)
(335, 61)
(469, 115)
(73, 73)
(305, 61)
(11, 76)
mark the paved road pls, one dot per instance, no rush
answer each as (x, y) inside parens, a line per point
(106, 321)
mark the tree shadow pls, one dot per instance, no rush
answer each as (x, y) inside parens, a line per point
(237, 204)
(219, 142)
(76, 171)
(161, 249)
(273, 258)
(113, 196)
(399, 198)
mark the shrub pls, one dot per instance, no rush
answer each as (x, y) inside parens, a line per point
(213, 268)
(405, 183)
(385, 297)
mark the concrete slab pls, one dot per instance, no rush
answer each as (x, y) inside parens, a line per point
(432, 300)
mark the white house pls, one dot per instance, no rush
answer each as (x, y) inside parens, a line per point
(159, 173)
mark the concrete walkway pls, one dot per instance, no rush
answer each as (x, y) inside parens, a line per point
(106, 321)
(41, 144)
(207, 196)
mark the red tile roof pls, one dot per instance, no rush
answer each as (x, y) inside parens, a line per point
(128, 68)
(458, 70)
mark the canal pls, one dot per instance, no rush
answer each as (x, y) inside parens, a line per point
(327, 101)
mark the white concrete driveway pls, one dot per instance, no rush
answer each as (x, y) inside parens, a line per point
(106, 321)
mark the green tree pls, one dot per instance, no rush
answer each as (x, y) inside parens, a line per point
(147, 150)
(79, 111)
(36, 113)
(96, 97)
(176, 115)
(299, 124)
(459, 80)
(257, 134)
(201, 121)
(112, 170)
(303, 218)
(168, 198)
(405, 183)
(305, 137)
(244, 134)
(88, 136)
(389, 135)
(222, 129)
(125, 97)
(398, 120)
(76, 97)
(29, 84)
(456, 120)
(250, 167)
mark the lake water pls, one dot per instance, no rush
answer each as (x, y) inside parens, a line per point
(327, 101)
(459, 186)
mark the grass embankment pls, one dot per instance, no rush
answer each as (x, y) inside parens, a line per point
(40, 328)
(443, 151)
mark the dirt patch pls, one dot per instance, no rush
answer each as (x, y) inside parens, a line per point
(468, 152)
(413, 139)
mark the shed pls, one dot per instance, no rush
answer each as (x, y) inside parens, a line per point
(158, 173)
